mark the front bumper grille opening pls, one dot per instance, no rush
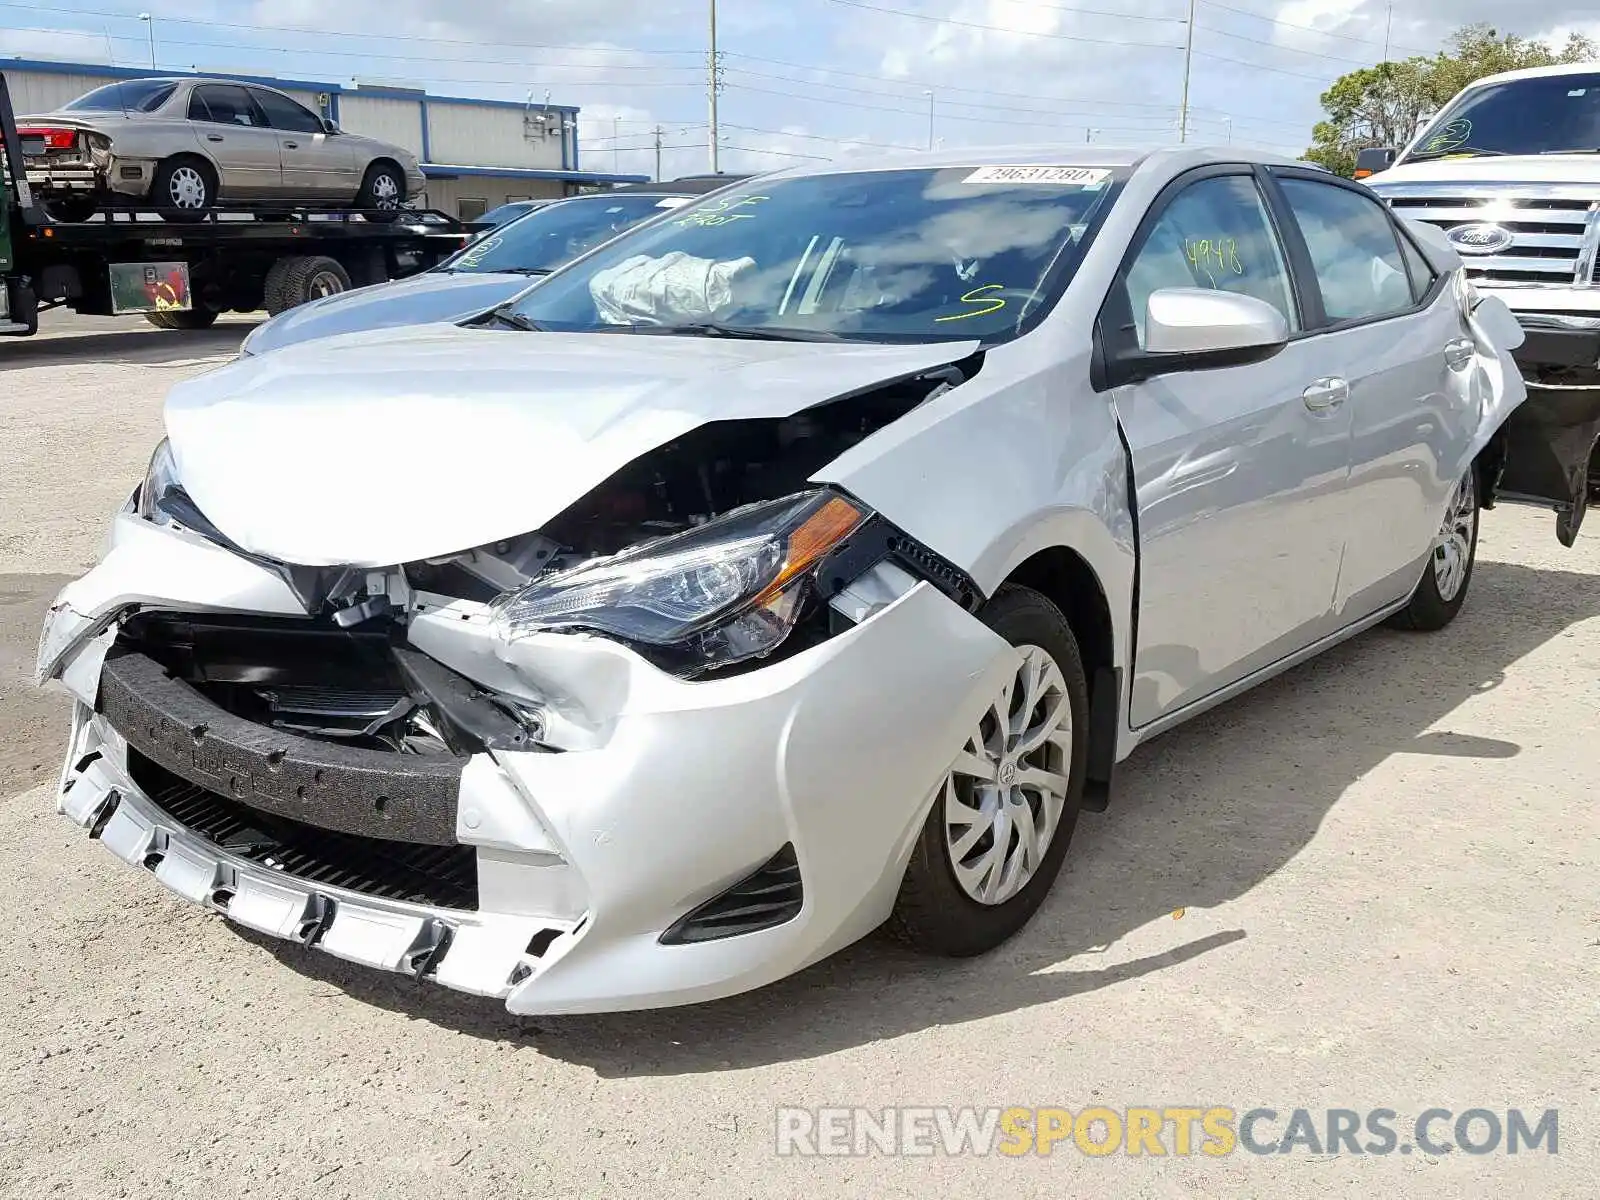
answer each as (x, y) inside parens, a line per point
(441, 876)
(770, 897)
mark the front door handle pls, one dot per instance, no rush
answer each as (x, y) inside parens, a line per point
(1459, 353)
(1325, 394)
(291, 145)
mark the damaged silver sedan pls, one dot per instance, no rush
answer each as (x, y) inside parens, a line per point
(801, 562)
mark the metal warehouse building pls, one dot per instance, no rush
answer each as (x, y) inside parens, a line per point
(476, 154)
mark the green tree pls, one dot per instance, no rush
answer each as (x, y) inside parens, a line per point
(1380, 105)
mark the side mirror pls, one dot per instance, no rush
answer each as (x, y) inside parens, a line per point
(329, 125)
(1374, 159)
(1198, 327)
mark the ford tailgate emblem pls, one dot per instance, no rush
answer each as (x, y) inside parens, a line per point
(1481, 238)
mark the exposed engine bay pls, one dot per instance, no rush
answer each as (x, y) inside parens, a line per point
(709, 471)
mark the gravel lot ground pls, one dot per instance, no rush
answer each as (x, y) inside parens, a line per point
(1373, 883)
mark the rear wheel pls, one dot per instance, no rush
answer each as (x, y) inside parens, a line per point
(999, 829)
(1443, 588)
(184, 188)
(294, 281)
(383, 191)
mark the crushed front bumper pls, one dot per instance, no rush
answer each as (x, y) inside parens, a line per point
(676, 794)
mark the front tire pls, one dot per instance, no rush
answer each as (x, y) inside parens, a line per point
(1000, 825)
(383, 191)
(1443, 588)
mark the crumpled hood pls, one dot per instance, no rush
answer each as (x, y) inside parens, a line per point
(380, 448)
(417, 300)
(1492, 168)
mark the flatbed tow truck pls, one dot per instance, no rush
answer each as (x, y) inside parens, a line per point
(183, 275)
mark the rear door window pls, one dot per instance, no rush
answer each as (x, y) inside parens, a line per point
(1355, 251)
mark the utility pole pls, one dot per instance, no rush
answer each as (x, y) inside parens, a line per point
(1188, 66)
(929, 95)
(616, 144)
(1228, 124)
(658, 154)
(711, 89)
(1388, 29)
(1088, 135)
(150, 28)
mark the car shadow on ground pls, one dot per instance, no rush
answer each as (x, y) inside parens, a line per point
(1202, 816)
(138, 343)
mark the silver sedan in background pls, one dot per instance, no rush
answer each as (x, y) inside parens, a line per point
(184, 144)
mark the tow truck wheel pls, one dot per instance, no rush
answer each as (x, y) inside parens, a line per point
(183, 318)
(297, 280)
(71, 209)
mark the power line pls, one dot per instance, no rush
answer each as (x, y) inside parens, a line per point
(820, 137)
(1059, 37)
(839, 87)
(1066, 121)
(1239, 62)
(353, 33)
(941, 87)
(1327, 33)
(1338, 58)
(1067, 8)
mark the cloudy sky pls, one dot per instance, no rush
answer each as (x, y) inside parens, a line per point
(810, 78)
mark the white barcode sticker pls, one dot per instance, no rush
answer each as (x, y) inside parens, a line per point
(1065, 176)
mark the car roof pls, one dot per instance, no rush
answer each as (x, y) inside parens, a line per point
(1583, 68)
(1168, 159)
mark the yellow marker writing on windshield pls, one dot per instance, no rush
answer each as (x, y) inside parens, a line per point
(991, 304)
(720, 212)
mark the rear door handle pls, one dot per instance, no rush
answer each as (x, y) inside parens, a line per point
(215, 137)
(1459, 353)
(291, 145)
(1326, 393)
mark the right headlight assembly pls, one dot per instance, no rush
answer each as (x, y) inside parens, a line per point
(726, 591)
(161, 474)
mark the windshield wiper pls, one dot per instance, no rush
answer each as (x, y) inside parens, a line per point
(1574, 150)
(523, 270)
(514, 319)
(1467, 151)
(754, 333)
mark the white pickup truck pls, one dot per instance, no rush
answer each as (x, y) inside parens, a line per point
(1510, 170)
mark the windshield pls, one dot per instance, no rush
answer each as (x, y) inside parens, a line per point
(545, 238)
(133, 95)
(1544, 115)
(928, 255)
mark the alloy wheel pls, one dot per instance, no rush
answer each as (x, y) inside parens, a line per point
(1005, 793)
(1452, 545)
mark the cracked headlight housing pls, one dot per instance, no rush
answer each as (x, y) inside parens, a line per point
(726, 591)
(161, 474)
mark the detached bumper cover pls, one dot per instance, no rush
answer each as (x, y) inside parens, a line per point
(482, 953)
